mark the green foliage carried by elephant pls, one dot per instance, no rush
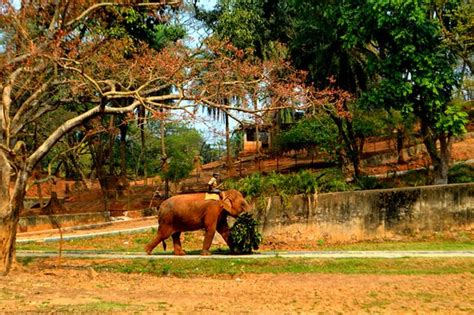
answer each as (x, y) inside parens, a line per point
(244, 235)
(191, 212)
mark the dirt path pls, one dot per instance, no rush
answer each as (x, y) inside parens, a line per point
(92, 230)
(70, 289)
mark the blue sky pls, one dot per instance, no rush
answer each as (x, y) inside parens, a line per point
(212, 130)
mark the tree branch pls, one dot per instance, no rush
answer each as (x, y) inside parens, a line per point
(69, 125)
(86, 76)
(26, 104)
(31, 117)
(109, 4)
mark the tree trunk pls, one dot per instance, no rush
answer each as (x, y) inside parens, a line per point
(227, 143)
(110, 150)
(441, 158)
(9, 213)
(5, 171)
(141, 124)
(444, 158)
(7, 241)
(349, 142)
(257, 137)
(400, 137)
(164, 158)
(78, 170)
(123, 148)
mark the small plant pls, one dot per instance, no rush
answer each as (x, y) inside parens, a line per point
(166, 270)
(244, 236)
(367, 182)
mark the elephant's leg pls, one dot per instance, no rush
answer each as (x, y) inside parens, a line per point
(210, 224)
(163, 233)
(208, 237)
(224, 230)
(178, 250)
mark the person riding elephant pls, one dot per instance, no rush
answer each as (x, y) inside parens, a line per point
(213, 185)
(191, 212)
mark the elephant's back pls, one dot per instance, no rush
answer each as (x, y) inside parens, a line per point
(186, 198)
(182, 202)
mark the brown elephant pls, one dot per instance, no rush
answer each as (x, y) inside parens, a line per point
(191, 212)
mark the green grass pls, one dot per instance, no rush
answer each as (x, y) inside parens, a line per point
(235, 267)
(404, 245)
(92, 307)
(377, 303)
(135, 242)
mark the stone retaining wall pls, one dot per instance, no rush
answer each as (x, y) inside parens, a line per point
(45, 222)
(372, 214)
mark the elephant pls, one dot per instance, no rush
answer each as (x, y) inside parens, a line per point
(192, 212)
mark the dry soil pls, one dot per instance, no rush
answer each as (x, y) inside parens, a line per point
(71, 288)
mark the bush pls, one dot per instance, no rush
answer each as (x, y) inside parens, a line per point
(275, 184)
(413, 178)
(250, 186)
(244, 236)
(333, 180)
(367, 182)
(461, 173)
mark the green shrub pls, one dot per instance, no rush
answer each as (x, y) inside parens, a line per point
(413, 178)
(303, 182)
(368, 182)
(333, 180)
(461, 173)
(244, 236)
(250, 186)
(256, 185)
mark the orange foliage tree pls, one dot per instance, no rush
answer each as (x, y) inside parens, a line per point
(60, 55)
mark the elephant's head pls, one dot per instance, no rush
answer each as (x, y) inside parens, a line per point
(235, 203)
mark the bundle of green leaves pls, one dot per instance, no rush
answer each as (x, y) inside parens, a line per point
(244, 236)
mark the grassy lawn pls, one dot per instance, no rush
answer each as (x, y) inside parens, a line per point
(135, 242)
(235, 267)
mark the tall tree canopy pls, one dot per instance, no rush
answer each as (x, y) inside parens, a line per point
(389, 54)
(415, 70)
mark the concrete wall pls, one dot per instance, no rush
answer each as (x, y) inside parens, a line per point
(372, 214)
(45, 222)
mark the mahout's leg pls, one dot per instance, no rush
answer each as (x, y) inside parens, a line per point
(178, 250)
(163, 233)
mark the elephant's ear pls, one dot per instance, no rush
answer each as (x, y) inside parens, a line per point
(227, 205)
